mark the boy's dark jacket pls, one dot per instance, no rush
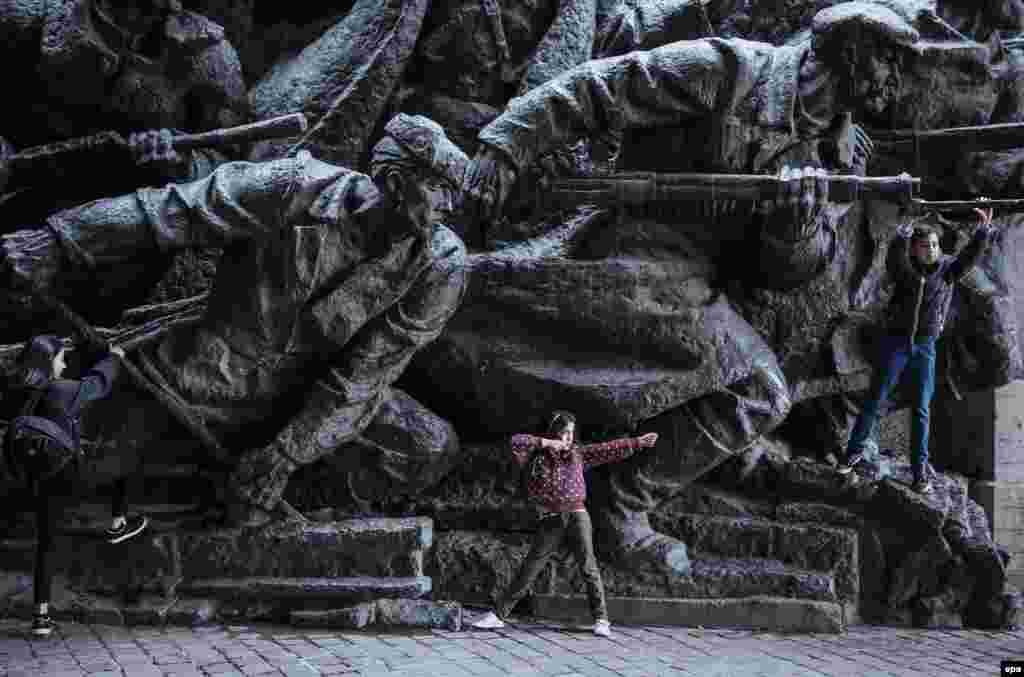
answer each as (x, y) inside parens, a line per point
(921, 299)
(556, 477)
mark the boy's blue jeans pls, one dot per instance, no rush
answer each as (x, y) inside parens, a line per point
(899, 355)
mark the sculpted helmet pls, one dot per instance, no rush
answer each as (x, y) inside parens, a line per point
(417, 138)
(843, 19)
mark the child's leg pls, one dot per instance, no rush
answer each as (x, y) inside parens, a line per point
(42, 581)
(118, 503)
(895, 353)
(922, 369)
(582, 543)
(546, 543)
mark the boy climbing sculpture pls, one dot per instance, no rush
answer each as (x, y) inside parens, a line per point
(925, 279)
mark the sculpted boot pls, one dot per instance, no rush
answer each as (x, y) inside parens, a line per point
(623, 494)
(693, 439)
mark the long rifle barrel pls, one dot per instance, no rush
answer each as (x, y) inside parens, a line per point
(283, 126)
(641, 188)
(996, 137)
(964, 206)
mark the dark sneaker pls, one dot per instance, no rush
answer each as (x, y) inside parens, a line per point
(847, 467)
(42, 626)
(133, 526)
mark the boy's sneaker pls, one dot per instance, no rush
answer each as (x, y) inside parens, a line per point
(603, 628)
(42, 626)
(852, 460)
(490, 621)
(133, 526)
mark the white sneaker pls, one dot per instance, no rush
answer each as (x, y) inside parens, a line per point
(603, 628)
(490, 621)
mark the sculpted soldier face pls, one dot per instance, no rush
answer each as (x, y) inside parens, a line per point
(878, 79)
(431, 199)
(424, 198)
(419, 169)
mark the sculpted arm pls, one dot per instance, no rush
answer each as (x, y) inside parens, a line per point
(664, 86)
(239, 201)
(230, 205)
(21, 21)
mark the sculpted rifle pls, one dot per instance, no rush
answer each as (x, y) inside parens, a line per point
(41, 163)
(910, 144)
(902, 148)
(964, 207)
(642, 189)
(645, 189)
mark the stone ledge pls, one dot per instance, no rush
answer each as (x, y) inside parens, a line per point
(760, 613)
(375, 547)
(359, 547)
(474, 567)
(324, 590)
(808, 546)
(710, 577)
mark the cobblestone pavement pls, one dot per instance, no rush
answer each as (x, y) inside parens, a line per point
(526, 649)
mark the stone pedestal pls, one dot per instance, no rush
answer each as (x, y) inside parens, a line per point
(982, 437)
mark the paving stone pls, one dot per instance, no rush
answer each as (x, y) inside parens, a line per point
(526, 649)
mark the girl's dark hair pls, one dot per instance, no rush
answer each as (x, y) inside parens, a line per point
(560, 420)
(34, 368)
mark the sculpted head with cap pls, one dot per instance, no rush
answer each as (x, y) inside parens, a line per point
(865, 45)
(419, 169)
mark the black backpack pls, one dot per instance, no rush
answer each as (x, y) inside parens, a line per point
(36, 448)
